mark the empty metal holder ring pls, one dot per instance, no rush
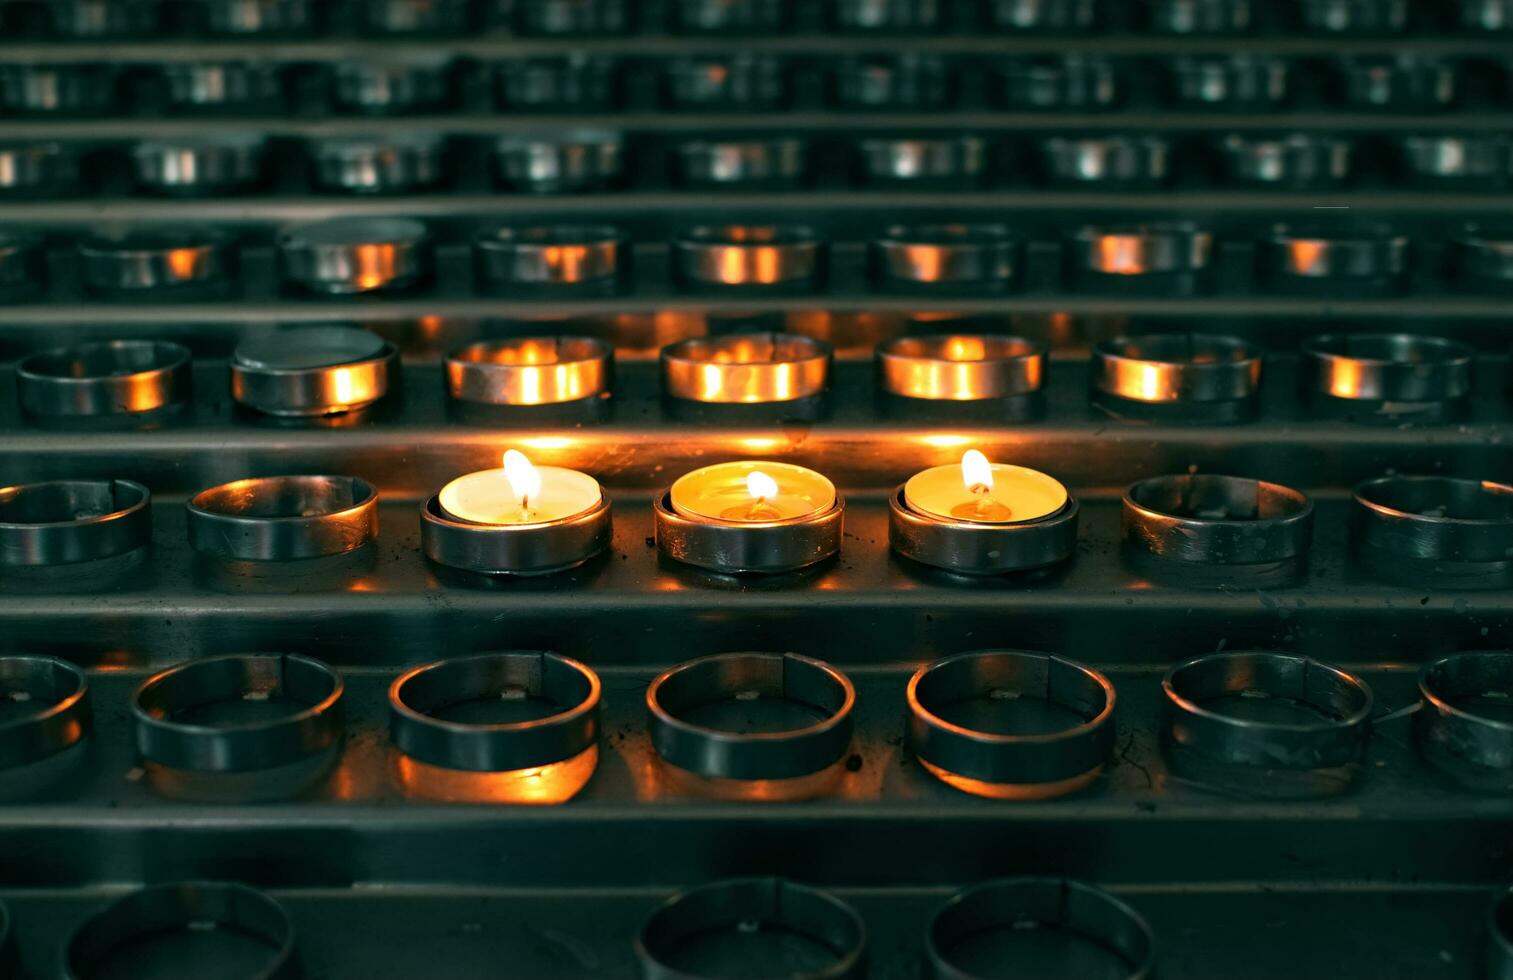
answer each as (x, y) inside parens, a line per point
(1000, 761)
(106, 378)
(1482, 258)
(1438, 518)
(1108, 161)
(575, 82)
(23, 264)
(897, 82)
(961, 367)
(1189, 17)
(1462, 723)
(1229, 82)
(1217, 520)
(515, 549)
(1055, 912)
(730, 16)
(815, 689)
(1480, 161)
(1071, 82)
(1401, 83)
(560, 163)
(1042, 17)
(1177, 369)
(66, 521)
(417, 17)
(1396, 367)
(250, 87)
(245, 18)
(1354, 16)
(562, 18)
(200, 164)
(750, 257)
(776, 913)
(530, 371)
(1165, 257)
(742, 82)
(1296, 160)
(137, 261)
(356, 255)
(32, 166)
(946, 256)
(1331, 727)
(311, 689)
(56, 716)
(1324, 259)
(888, 15)
(937, 160)
(778, 162)
(313, 371)
(568, 689)
(283, 518)
(416, 83)
(746, 368)
(391, 164)
(553, 257)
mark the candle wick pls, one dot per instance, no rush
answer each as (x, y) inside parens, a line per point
(756, 507)
(984, 502)
(525, 505)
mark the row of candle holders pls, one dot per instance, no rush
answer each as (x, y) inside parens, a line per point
(342, 257)
(114, 19)
(539, 743)
(427, 82)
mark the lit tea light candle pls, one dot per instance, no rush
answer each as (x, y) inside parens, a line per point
(752, 492)
(984, 493)
(520, 493)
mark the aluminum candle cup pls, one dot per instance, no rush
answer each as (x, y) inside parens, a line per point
(773, 721)
(140, 262)
(1160, 258)
(1047, 16)
(961, 367)
(396, 85)
(199, 165)
(746, 368)
(560, 163)
(560, 259)
(1467, 162)
(341, 256)
(904, 81)
(743, 164)
(564, 83)
(417, 17)
(1068, 82)
(109, 378)
(1354, 16)
(960, 161)
(1217, 520)
(748, 82)
(559, 18)
(1334, 259)
(220, 86)
(1194, 377)
(238, 714)
(1434, 523)
(1463, 725)
(785, 929)
(1298, 161)
(888, 15)
(531, 371)
(283, 518)
(1032, 922)
(1388, 375)
(38, 168)
(1188, 17)
(1229, 82)
(50, 713)
(58, 89)
(731, 16)
(400, 163)
(762, 258)
(967, 723)
(1266, 710)
(187, 921)
(1481, 258)
(1400, 83)
(313, 371)
(1109, 162)
(66, 521)
(262, 18)
(946, 257)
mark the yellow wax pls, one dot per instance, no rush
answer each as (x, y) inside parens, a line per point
(966, 492)
(742, 493)
(520, 494)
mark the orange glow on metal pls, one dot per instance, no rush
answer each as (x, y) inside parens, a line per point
(1012, 791)
(822, 783)
(1119, 255)
(1345, 378)
(183, 261)
(375, 263)
(541, 785)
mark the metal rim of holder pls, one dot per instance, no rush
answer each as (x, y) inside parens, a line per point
(136, 262)
(1452, 735)
(515, 549)
(308, 392)
(184, 906)
(555, 257)
(1068, 906)
(1338, 738)
(746, 368)
(1435, 517)
(244, 746)
(1177, 370)
(995, 366)
(350, 255)
(63, 719)
(577, 368)
(573, 688)
(1396, 367)
(115, 377)
(720, 754)
(945, 256)
(283, 518)
(1164, 516)
(25, 541)
(762, 258)
(739, 549)
(982, 549)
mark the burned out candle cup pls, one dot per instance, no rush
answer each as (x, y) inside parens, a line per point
(1463, 726)
(88, 20)
(411, 18)
(1228, 82)
(558, 83)
(930, 162)
(955, 258)
(1397, 83)
(239, 727)
(228, 930)
(580, 18)
(158, 262)
(749, 518)
(63, 522)
(1161, 258)
(742, 82)
(344, 256)
(1471, 162)
(771, 926)
(888, 15)
(771, 725)
(1200, 17)
(961, 367)
(1106, 162)
(1072, 82)
(531, 371)
(1011, 725)
(497, 727)
(117, 377)
(283, 518)
(48, 713)
(38, 169)
(1353, 17)
(556, 259)
(58, 89)
(1294, 161)
(399, 163)
(560, 163)
(750, 258)
(199, 165)
(1016, 926)
(23, 266)
(1481, 258)
(261, 18)
(1333, 260)
(1044, 16)
(730, 16)
(746, 368)
(313, 371)
(1185, 525)
(1458, 530)
(395, 85)
(1388, 377)
(897, 82)
(743, 164)
(1192, 377)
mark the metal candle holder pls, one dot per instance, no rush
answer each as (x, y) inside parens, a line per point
(530, 371)
(771, 907)
(574, 18)
(199, 165)
(1457, 162)
(1192, 520)
(1481, 259)
(946, 258)
(200, 907)
(1397, 83)
(961, 367)
(557, 83)
(736, 83)
(1229, 82)
(114, 377)
(933, 162)
(755, 258)
(1067, 82)
(888, 15)
(1077, 913)
(746, 368)
(60, 715)
(1321, 260)
(148, 261)
(1169, 258)
(896, 82)
(67, 521)
(1200, 17)
(1177, 377)
(66, 89)
(521, 550)
(1391, 377)
(1037, 16)
(766, 548)
(347, 385)
(746, 164)
(560, 162)
(1438, 526)
(396, 163)
(262, 18)
(968, 548)
(988, 762)
(247, 87)
(1297, 161)
(1354, 17)
(23, 265)
(434, 18)
(393, 85)
(559, 259)
(89, 20)
(1111, 162)
(40, 168)
(343, 256)
(731, 16)
(1461, 725)
(283, 518)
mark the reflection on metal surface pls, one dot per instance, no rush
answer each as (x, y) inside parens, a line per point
(750, 368)
(961, 367)
(555, 783)
(1013, 791)
(530, 371)
(685, 783)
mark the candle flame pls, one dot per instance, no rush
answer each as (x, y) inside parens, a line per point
(524, 478)
(976, 471)
(761, 486)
